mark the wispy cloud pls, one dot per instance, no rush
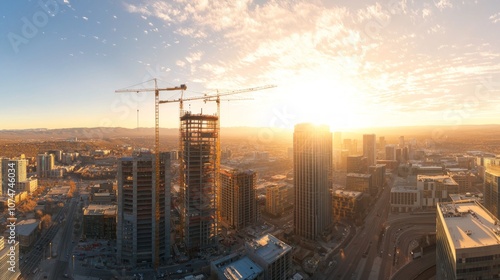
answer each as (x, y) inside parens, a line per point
(313, 46)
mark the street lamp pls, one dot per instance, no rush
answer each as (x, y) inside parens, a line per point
(50, 250)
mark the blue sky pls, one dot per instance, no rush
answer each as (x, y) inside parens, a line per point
(348, 64)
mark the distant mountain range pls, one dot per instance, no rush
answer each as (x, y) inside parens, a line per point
(82, 133)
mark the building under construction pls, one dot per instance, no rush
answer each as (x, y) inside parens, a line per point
(199, 169)
(137, 229)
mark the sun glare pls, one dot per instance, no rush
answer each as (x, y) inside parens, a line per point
(329, 102)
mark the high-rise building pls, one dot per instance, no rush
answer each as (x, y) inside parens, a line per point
(369, 148)
(337, 140)
(491, 193)
(401, 142)
(312, 167)
(351, 145)
(44, 164)
(137, 209)
(199, 169)
(20, 166)
(381, 143)
(8, 271)
(57, 154)
(390, 152)
(238, 200)
(273, 255)
(467, 241)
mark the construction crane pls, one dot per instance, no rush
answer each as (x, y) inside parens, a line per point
(156, 90)
(207, 98)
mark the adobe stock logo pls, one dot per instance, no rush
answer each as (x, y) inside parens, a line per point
(31, 26)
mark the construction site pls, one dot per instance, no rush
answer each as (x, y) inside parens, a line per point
(199, 169)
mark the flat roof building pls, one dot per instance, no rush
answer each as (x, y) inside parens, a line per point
(273, 255)
(99, 221)
(348, 205)
(234, 267)
(468, 242)
(436, 189)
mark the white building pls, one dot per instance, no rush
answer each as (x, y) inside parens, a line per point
(273, 255)
(468, 242)
(435, 189)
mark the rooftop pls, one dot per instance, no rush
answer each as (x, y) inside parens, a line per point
(242, 269)
(348, 193)
(359, 175)
(269, 248)
(409, 189)
(26, 227)
(98, 209)
(470, 225)
(445, 179)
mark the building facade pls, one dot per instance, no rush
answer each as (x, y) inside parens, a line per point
(238, 199)
(138, 227)
(99, 221)
(20, 166)
(8, 272)
(359, 183)
(312, 167)
(435, 189)
(44, 164)
(491, 189)
(348, 205)
(370, 148)
(276, 199)
(356, 164)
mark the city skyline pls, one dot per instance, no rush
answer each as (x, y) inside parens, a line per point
(386, 63)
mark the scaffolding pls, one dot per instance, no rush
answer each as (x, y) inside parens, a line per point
(199, 169)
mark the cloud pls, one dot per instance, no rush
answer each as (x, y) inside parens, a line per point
(85, 18)
(193, 57)
(443, 4)
(180, 63)
(313, 46)
(495, 18)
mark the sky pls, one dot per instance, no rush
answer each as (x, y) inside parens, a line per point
(347, 64)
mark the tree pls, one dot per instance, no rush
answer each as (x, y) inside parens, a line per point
(46, 221)
(72, 189)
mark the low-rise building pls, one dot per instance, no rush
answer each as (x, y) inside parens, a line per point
(29, 185)
(236, 267)
(277, 199)
(273, 255)
(435, 189)
(359, 182)
(348, 205)
(27, 232)
(99, 221)
(405, 199)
